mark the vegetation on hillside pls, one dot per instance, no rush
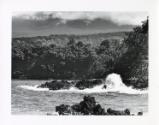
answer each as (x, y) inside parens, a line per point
(133, 65)
(44, 58)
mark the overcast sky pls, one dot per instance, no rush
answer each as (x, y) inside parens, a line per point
(46, 23)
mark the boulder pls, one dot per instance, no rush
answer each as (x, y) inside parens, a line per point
(56, 85)
(63, 109)
(118, 112)
(86, 107)
(127, 111)
(104, 87)
(76, 107)
(83, 84)
(140, 113)
(98, 110)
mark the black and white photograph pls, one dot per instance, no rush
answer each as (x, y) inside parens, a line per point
(79, 63)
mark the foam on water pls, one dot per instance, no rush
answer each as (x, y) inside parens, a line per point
(34, 88)
(113, 82)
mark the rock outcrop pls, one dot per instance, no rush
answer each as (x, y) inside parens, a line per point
(56, 85)
(65, 84)
(88, 106)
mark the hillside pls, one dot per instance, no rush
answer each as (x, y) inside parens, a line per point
(83, 56)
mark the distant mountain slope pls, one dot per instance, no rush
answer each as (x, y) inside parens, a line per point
(29, 27)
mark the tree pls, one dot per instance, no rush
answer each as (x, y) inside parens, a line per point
(133, 61)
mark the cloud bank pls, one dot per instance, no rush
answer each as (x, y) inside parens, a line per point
(45, 23)
(133, 18)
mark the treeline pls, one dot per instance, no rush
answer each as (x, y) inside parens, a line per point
(80, 60)
(63, 39)
(76, 60)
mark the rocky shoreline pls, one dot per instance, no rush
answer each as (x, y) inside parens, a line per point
(89, 106)
(81, 84)
(66, 84)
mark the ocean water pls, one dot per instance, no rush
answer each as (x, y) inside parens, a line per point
(27, 99)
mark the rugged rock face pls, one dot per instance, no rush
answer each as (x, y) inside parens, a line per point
(88, 107)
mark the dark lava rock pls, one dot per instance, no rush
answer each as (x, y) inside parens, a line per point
(76, 107)
(117, 112)
(98, 110)
(140, 113)
(127, 111)
(64, 84)
(86, 107)
(82, 84)
(63, 109)
(56, 85)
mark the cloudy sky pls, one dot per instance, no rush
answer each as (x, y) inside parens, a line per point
(46, 23)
